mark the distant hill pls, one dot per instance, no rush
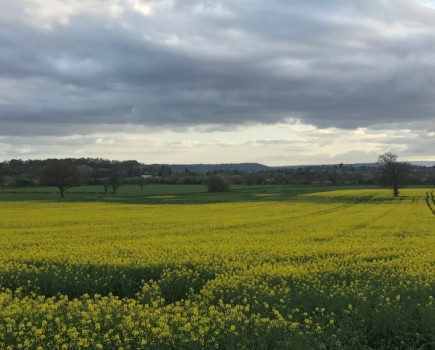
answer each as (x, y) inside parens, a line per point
(204, 168)
(424, 163)
(249, 167)
(355, 165)
(252, 167)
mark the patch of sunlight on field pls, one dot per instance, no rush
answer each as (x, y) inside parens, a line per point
(163, 197)
(386, 194)
(341, 269)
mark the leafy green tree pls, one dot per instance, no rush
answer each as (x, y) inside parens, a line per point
(61, 174)
(218, 183)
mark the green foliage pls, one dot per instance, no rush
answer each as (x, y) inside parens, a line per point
(114, 180)
(256, 179)
(22, 173)
(218, 183)
(61, 174)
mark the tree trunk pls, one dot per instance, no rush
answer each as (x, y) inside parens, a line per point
(395, 183)
(105, 189)
(61, 192)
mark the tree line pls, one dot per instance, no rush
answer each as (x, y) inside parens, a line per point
(66, 173)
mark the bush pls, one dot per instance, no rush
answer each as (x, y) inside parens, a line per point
(218, 183)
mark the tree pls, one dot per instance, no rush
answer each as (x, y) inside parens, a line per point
(61, 174)
(141, 181)
(105, 183)
(393, 172)
(85, 172)
(256, 179)
(114, 180)
(218, 183)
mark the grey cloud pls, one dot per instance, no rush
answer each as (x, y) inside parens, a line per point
(329, 63)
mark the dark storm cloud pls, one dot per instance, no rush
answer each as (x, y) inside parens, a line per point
(330, 63)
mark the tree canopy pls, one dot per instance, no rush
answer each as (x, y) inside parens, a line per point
(218, 183)
(61, 174)
(394, 172)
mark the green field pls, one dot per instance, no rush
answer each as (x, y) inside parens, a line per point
(261, 267)
(165, 194)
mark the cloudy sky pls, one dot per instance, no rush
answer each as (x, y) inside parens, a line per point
(189, 81)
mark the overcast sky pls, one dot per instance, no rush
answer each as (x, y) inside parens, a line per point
(279, 82)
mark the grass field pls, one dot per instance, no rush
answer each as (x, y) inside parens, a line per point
(171, 267)
(165, 194)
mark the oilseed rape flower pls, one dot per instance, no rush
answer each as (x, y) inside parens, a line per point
(316, 271)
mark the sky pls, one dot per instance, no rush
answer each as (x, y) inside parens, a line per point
(278, 82)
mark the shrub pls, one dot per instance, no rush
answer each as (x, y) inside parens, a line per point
(218, 183)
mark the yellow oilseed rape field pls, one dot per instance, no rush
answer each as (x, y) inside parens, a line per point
(349, 269)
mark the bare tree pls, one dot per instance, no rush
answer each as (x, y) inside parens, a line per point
(394, 172)
(61, 174)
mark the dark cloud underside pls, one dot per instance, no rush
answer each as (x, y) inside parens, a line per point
(330, 63)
